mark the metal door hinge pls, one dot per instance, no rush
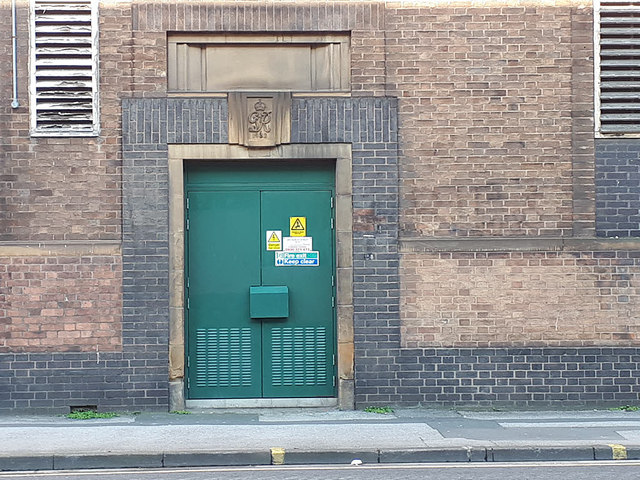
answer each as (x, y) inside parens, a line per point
(186, 220)
(334, 380)
(332, 224)
(334, 359)
(333, 281)
(331, 202)
(333, 302)
(188, 303)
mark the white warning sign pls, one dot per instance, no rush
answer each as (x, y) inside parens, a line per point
(297, 244)
(274, 240)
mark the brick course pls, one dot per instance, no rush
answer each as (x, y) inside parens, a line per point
(618, 187)
(60, 303)
(520, 299)
(486, 113)
(62, 188)
(52, 382)
(511, 377)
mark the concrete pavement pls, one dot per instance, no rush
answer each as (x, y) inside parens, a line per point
(290, 436)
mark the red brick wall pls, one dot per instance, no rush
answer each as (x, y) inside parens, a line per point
(60, 191)
(364, 20)
(496, 138)
(520, 299)
(60, 303)
(486, 118)
(63, 188)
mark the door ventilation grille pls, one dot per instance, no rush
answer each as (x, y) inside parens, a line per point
(223, 357)
(299, 356)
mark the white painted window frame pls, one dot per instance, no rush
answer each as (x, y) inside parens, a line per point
(36, 131)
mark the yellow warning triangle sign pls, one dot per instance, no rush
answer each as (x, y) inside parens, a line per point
(274, 238)
(297, 225)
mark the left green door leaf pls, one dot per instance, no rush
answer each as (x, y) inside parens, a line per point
(224, 347)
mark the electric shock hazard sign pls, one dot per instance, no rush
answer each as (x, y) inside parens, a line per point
(274, 240)
(298, 226)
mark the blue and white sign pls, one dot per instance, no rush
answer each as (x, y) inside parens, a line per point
(297, 259)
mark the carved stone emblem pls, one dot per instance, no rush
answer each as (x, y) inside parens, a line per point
(259, 120)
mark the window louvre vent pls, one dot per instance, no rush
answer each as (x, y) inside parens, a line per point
(619, 66)
(64, 67)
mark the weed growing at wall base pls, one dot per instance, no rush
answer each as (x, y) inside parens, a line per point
(90, 414)
(627, 408)
(380, 410)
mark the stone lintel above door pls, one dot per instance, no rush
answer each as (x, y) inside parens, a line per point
(259, 120)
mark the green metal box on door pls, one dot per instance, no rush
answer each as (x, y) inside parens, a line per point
(259, 236)
(269, 302)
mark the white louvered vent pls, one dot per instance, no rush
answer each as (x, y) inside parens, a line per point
(64, 90)
(619, 66)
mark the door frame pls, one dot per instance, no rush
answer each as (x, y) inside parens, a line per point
(341, 153)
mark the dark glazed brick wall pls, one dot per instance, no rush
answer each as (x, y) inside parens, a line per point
(370, 126)
(502, 376)
(618, 188)
(54, 382)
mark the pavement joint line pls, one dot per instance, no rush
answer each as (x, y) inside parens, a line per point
(619, 452)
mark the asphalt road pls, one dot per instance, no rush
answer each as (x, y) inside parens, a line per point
(619, 470)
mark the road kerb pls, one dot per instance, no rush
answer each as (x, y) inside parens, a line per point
(216, 459)
(540, 454)
(338, 457)
(26, 462)
(280, 456)
(434, 455)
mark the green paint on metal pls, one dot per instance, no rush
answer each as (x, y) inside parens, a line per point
(231, 206)
(224, 349)
(269, 301)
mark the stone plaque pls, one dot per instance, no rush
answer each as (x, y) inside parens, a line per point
(259, 120)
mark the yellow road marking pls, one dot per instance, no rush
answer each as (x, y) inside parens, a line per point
(277, 456)
(619, 451)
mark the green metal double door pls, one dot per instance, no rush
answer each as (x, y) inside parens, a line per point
(240, 220)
